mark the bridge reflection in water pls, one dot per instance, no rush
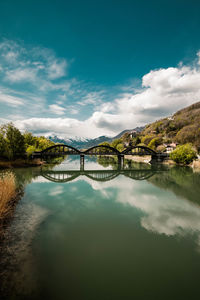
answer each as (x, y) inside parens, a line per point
(97, 175)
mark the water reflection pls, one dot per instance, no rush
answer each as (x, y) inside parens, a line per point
(174, 212)
(79, 226)
(96, 175)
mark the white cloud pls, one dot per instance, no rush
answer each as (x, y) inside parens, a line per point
(36, 65)
(66, 127)
(74, 111)
(93, 98)
(57, 69)
(17, 75)
(163, 92)
(56, 109)
(10, 100)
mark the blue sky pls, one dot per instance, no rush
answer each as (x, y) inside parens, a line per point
(90, 68)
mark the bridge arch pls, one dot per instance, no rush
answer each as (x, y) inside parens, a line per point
(59, 176)
(102, 176)
(61, 146)
(91, 150)
(139, 174)
(139, 150)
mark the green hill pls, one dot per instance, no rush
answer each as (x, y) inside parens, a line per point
(183, 127)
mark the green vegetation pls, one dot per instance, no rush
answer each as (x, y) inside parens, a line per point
(184, 154)
(183, 127)
(11, 141)
(155, 142)
(14, 144)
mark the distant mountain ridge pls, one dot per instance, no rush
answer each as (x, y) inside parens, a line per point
(87, 143)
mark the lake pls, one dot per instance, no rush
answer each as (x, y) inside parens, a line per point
(104, 233)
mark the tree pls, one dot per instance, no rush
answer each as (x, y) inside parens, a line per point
(147, 139)
(137, 140)
(120, 147)
(30, 149)
(29, 139)
(104, 150)
(2, 145)
(184, 154)
(116, 142)
(14, 145)
(154, 143)
(43, 143)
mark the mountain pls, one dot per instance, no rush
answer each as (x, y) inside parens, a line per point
(87, 143)
(182, 127)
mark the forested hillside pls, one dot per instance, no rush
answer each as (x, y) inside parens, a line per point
(181, 128)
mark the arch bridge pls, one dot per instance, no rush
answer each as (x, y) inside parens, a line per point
(63, 149)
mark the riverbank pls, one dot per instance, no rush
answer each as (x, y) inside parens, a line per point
(196, 165)
(147, 158)
(20, 163)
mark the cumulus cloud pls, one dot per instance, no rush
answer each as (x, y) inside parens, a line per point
(65, 127)
(37, 71)
(163, 92)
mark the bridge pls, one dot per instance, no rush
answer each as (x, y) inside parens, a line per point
(96, 175)
(63, 149)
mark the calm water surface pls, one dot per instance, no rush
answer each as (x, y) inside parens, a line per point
(104, 233)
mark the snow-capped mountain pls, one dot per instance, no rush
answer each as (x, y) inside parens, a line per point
(82, 143)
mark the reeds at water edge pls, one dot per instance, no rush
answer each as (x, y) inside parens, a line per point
(7, 195)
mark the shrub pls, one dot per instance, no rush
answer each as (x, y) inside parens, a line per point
(30, 150)
(184, 154)
(120, 147)
(116, 142)
(136, 140)
(147, 139)
(154, 143)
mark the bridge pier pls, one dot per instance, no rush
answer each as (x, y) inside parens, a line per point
(158, 158)
(82, 160)
(121, 162)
